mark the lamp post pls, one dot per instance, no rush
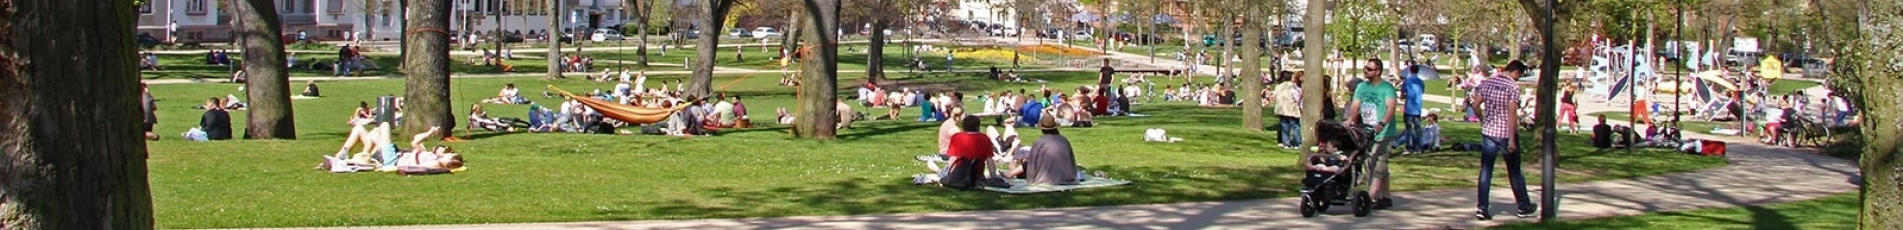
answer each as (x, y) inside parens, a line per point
(1678, 50)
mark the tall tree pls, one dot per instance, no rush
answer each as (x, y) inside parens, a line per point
(819, 95)
(1251, 80)
(701, 84)
(426, 92)
(1872, 68)
(369, 8)
(881, 13)
(1313, 18)
(267, 85)
(641, 13)
(555, 39)
(75, 157)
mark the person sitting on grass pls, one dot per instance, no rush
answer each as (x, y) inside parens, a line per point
(215, 124)
(508, 95)
(1050, 160)
(149, 61)
(967, 155)
(310, 89)
(1430, 138)
(846, 115)
(947, 129)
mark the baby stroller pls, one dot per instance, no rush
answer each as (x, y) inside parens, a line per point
(1331, 177)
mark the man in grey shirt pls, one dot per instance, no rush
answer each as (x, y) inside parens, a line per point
(1050, 161)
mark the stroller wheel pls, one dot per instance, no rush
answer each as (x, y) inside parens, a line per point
(1320, 202)
(1362, 204)
(1308, 209)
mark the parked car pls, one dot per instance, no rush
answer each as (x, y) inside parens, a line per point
(765, 32)
(607, 35)
(740, 33)
(146, 40)
(1001, 30)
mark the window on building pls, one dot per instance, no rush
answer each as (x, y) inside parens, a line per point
(334, 6)
(387, 9)
(288, 6)
(145, 8)
(194, 7)
(310, 6)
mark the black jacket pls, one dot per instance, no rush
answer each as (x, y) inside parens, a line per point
(216, 124)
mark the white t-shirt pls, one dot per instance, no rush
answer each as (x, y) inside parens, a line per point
(509, 92)
(625, 76)
(622, 89)
(639, 81)
(1842, 106)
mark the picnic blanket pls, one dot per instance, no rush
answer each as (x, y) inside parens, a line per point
(1021, 186)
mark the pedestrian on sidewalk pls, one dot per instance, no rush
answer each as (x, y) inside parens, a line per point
(1372, 106)
(1500, 100)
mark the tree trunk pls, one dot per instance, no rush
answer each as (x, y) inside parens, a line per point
(641, 52)
(1874, 56)
(1228, 46)
(818, 119)
(426, 92)
(267, 83)
(790, 39)
(554, 39)
(1251, 69)
(701, 84)
(1547, 96)
(875, 49)
(1312, 80)
(50, 180)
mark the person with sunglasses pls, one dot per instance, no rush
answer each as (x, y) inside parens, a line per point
(1372, 106)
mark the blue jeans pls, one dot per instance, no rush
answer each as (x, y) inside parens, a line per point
(1411, 137)
(1491, 148)
(1290, 132)
(1841, 115)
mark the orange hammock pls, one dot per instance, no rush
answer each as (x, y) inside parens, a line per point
(624, 113)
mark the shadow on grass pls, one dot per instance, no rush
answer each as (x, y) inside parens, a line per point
(850, 196)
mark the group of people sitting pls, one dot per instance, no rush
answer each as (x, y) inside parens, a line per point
(508, 95)
(379, 153)
(968, 159)
(1210, 96)
(489, 58)
(217, 57)
(149, 61)
(577, 63)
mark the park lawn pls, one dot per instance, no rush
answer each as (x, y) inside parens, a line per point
(1831, 212)
(1789, 86)
(762, 172)
(192, 66)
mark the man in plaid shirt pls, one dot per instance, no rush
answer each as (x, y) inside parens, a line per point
(1499, 97)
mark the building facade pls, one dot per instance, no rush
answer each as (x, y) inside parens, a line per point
(374, 20)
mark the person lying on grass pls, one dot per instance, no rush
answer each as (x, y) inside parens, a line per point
(377, 150)
(479, 118)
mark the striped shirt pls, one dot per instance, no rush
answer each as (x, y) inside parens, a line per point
(1498, 93)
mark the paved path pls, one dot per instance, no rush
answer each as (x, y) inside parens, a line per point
(1757, 175)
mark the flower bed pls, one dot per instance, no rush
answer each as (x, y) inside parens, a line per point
(1057, 50)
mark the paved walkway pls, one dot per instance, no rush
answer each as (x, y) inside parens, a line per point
(1797, 175)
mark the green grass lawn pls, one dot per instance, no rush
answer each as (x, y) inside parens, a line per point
(1788, 86)
(762, 172)
(1831, 212)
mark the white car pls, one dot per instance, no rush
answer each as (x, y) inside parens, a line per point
(765, 32)
(606, 35)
